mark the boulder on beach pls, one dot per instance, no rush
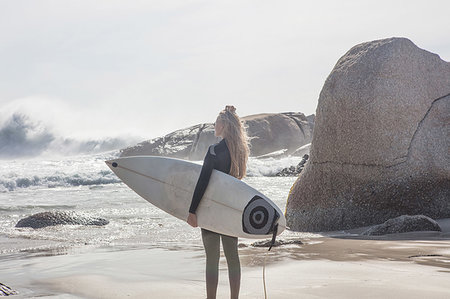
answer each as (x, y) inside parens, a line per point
(52, 218)
(381, 140)
(404, 224)
(268, 133)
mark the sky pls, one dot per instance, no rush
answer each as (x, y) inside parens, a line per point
(147, 68)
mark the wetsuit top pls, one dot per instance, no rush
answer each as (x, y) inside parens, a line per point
(218, 157)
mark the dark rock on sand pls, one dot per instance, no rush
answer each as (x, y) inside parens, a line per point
(52, 218)
(6, 291)
(266, 243)
(380, 144)
(294, 170)
(404, 224)
(268, 133)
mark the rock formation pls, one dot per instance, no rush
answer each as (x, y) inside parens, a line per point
(52, 218)
(272, 132)
(381, 140)
(404, 224)
(294, 170)
(268, 133)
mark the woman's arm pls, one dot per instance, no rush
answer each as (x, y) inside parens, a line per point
(203, 180)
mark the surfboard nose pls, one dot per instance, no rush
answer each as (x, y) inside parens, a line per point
(111, 163)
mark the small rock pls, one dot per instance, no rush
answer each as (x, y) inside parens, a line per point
(403, 224)
(266, 243)
(52, 218)
(294, 170)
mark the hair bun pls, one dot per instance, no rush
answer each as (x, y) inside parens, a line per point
(230, 109)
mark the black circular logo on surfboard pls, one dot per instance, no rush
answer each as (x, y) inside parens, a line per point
(259, 217)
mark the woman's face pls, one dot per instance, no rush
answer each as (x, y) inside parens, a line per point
(218, 127)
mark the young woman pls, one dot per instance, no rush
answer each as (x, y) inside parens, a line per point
(230, 156)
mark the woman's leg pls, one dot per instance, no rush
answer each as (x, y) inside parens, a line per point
(234, 266)
(211, 242)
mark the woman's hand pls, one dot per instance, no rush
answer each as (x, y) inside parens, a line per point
(192, 220)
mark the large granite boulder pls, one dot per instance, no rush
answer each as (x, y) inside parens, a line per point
(268, 133)
(52, 218)
(381, 140)
(404, 224)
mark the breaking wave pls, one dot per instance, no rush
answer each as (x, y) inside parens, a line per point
(90, 170)
(72, 171)
(257, 167)
(53, 161)
(21, 137)
(62, 180)
(101, 178)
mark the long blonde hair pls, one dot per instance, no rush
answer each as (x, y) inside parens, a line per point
(236, 139)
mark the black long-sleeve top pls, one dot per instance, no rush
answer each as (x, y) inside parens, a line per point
(218, 157)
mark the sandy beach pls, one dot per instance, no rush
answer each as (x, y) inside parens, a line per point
(335, 265)
(336, 113)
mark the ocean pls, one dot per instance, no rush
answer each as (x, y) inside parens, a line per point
(85, 185)
(146, 253)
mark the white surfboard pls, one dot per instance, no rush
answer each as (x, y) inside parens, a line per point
(229, 206)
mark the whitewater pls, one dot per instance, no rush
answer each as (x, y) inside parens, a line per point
(85, 185)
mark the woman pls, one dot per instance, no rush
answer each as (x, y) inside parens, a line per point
(230, 156)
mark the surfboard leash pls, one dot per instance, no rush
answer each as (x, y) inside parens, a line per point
(264, 275)
(274, 236)
(272, 242)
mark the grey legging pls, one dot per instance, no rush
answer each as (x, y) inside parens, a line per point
(211, 242)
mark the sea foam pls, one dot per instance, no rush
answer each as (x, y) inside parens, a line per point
(90, 170)
(81, 170)
(21, 136)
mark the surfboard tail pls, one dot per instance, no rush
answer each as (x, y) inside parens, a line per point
(260, 217)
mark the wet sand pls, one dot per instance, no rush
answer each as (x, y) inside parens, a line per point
(410, 265)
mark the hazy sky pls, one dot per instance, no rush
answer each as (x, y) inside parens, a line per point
(105, 68)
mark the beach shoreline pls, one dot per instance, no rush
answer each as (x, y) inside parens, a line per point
(408, 265)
